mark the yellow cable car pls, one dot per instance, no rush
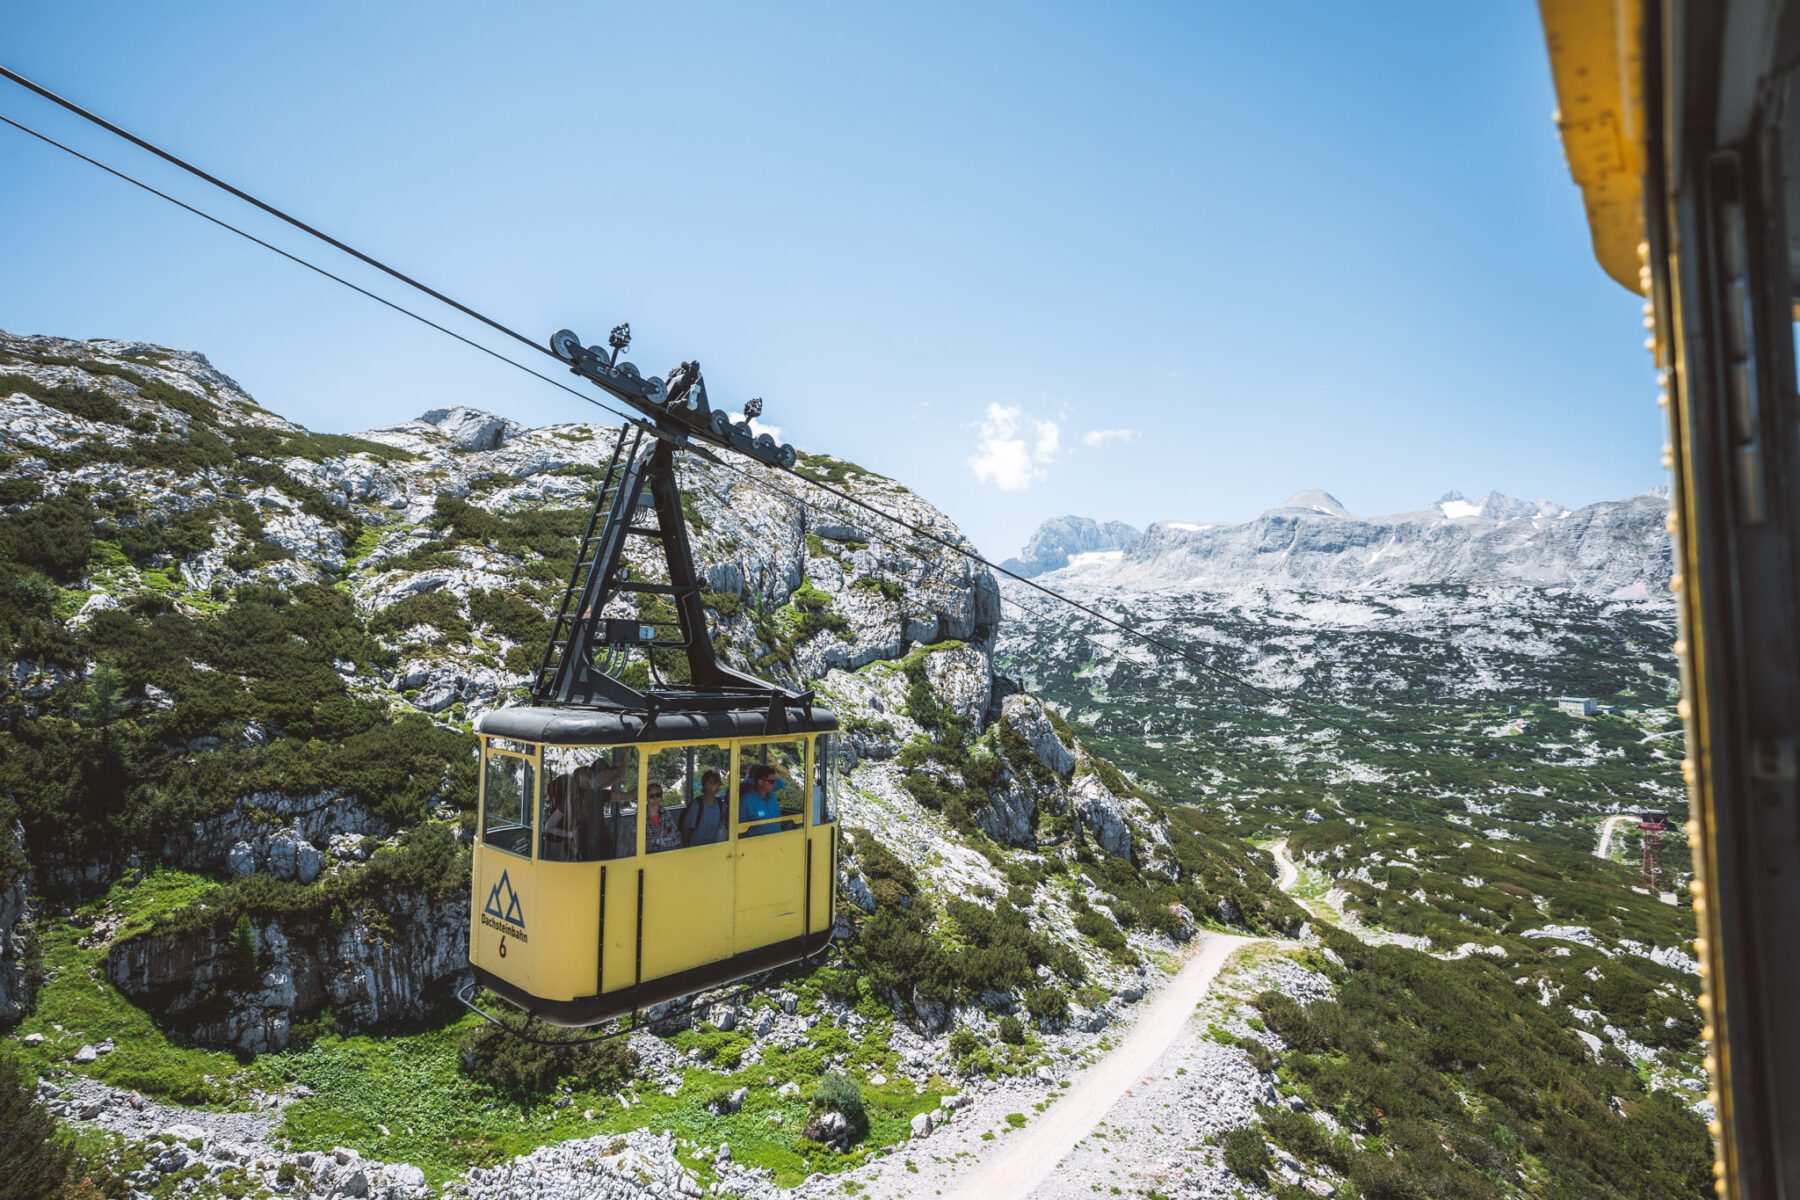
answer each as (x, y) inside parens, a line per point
(638, 843)
(615, 870)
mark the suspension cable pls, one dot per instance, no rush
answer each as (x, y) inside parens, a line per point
(917, 530)
(247, 198)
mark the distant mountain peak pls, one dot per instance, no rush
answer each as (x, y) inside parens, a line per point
(1315, 500)
(1061, 538)
(1495, 506)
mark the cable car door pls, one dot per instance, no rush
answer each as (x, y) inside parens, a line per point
(689, 861)
(500, 923)
(771, 843)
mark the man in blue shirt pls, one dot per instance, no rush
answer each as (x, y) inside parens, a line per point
(757, 801)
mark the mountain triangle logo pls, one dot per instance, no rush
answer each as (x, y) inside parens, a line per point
(513, 913)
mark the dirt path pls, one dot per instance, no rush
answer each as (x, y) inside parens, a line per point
(1290, 874)
(1031, 1155)
(1608, 828)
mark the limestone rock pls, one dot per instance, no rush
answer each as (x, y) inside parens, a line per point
(856, 891)
(1101, 813)
(16, 913)
(471, 429)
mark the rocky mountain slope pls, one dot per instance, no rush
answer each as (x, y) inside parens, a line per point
(1312, 541)
(235, 761)
(1381, 696)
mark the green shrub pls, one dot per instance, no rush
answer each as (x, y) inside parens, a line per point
(888, 589)
(514, 619)
(1011, 1031)
(54, 536)
(81, 402)
(439, 610)
(1099, 930)
(1261, 1057)
(243, 952)
(34, 1161)
(1246, 1155)
(1304, 1137)
(963, 1043)
(836, 1093)
(1089, 996)
(838, 984)
(724, 603)
(808, 598)
(527, 1069)
(1047, 1004)
(890, 880)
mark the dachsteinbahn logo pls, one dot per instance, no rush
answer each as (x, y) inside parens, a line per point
(503, 911)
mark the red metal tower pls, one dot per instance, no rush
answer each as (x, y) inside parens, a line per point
(1653, 825)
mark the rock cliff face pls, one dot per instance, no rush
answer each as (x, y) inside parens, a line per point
(1615, 548)
(375, 969)
(289, 837)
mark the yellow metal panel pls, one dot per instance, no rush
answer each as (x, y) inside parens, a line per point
(565, 927)
(500, 932)
(1596, 62)
(689, 902)
(620, 938)
(771, 885)
(823, 878)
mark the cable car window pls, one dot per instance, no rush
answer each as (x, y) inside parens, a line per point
(708, 815)
(666, 776)
(772, 787)
(590, 803)
(825, 772)
(510, 787)
(687, 785)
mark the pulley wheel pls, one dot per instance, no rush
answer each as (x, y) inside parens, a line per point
(566, 345)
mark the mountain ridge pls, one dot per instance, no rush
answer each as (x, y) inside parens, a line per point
(1613, 547)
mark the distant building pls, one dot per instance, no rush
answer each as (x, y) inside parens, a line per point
(1577, 706)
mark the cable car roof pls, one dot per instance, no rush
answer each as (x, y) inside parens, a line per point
(596, 727)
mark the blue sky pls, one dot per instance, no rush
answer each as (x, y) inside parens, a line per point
(1128, 261)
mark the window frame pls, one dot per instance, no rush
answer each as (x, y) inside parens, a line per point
(800, 817)
(821, 757)
(634, 796)
(532, 755)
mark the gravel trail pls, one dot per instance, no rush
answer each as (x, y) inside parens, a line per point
(1029, 1157)
(1290, 874)
(1608, 828)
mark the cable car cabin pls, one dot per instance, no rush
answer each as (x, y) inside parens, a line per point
(638, 843)
(617, 868)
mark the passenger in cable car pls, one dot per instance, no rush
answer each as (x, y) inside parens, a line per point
(659, 835)
(608, 819)
(703, 822)
(757, 800)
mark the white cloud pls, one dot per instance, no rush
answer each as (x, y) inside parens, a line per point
(758, 428)
(1099, 437)
(1003, 454)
